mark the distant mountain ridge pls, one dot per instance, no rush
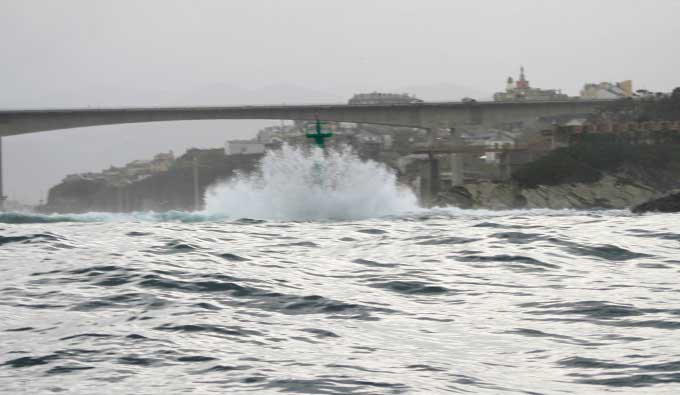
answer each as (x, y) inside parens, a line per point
(226, 94)
(446, 92)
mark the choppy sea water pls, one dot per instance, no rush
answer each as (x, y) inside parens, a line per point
(443, 301)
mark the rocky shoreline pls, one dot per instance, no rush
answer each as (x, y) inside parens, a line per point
(610, 192)
(665, 204)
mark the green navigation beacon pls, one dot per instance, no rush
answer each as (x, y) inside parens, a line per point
(319, 137)
(320, 141)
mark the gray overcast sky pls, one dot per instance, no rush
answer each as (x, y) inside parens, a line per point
(164, 52)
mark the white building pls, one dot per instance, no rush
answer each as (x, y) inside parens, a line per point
(608, 90)
(271, 134)
(244, 147)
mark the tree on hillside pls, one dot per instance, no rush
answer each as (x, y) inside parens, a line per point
(675, 96)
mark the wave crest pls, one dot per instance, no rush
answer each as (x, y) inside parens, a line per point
(297, 184)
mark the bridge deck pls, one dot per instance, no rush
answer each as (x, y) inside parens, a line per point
(418, 115)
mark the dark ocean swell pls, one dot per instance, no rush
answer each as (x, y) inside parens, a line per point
(516, 302)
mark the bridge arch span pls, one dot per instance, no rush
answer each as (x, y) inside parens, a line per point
(417, 115)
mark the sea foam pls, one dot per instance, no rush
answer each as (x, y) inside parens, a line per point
(309, 184)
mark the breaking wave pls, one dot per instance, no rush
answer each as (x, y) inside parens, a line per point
(290, 184)
(299, 184)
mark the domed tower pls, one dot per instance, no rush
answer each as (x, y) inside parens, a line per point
(522, 82)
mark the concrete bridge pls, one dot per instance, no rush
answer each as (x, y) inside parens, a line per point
(418, 115)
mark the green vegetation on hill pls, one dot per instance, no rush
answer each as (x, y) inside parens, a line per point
(652, 154)
(665, 108)
(587, 162)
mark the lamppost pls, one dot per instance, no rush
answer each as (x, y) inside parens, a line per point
(197, 197)
(2, 194)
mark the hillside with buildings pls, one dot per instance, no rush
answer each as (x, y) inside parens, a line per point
(142, 186)
(617, 158)
(624, 156)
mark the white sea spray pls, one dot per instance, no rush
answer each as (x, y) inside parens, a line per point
(299, 184)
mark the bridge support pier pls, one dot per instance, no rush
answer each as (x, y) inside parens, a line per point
(456, 160)
(503, 170)
(2, 191)
(456, 166)
(429, 181)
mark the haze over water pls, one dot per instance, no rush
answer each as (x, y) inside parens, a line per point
(308, 295)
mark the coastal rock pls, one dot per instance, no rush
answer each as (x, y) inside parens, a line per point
(665, 204)
(611, 192)
(497, 196)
